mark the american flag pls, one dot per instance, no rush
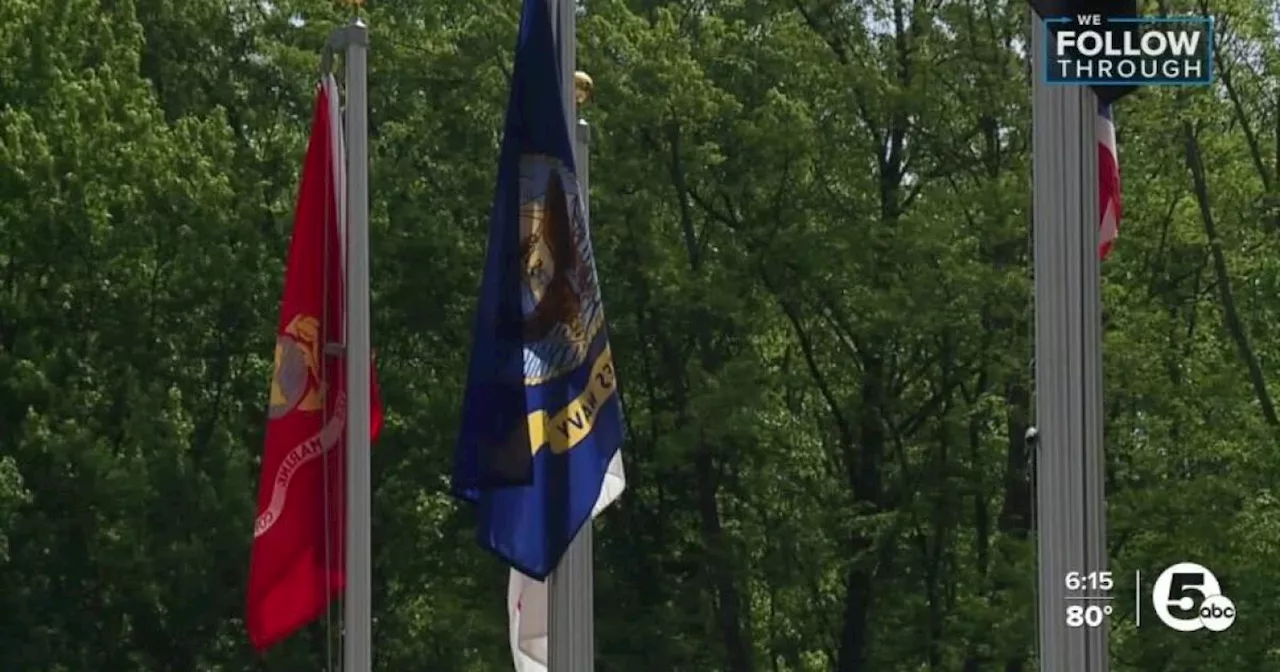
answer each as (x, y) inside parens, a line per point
(1108, 181)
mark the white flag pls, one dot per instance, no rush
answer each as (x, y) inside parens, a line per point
(527, 599)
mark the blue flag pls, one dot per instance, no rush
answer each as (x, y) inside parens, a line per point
(541, 415)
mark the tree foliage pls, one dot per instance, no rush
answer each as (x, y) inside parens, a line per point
(812, 227)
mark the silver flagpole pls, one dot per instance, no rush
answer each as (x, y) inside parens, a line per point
(358, 605)
(570, 589)
(1070, 500)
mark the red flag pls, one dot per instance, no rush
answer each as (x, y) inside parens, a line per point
(1108, 182)
(298, 559)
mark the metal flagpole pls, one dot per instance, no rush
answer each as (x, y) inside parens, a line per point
(1070, 500)
(570, 589)
(358, 602)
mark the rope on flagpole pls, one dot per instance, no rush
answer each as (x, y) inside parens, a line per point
(324, 385)
(333, 347)
(1031, 440)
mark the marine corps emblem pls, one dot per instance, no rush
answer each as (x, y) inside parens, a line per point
(296, 380)
(561, 296)
(298, 385)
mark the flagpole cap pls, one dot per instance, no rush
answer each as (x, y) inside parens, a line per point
(582, 87)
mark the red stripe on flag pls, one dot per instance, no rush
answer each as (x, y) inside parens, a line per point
(1108, 184)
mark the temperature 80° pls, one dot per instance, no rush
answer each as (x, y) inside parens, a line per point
(1090, 616)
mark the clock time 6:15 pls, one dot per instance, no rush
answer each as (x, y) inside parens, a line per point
(1089, 581)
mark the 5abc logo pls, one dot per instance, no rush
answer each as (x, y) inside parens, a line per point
(1175, 599)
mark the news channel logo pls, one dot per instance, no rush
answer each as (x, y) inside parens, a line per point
(1187, 597)
(1095, 50)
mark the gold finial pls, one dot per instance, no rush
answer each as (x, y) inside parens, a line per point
(582, 87)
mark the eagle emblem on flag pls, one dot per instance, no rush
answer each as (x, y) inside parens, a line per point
(560, 297)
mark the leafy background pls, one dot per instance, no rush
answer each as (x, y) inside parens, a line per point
(812, 223)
